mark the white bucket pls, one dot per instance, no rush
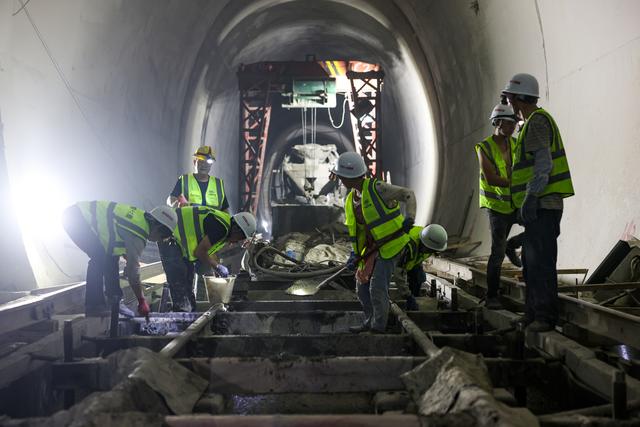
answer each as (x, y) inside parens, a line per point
(219, 288)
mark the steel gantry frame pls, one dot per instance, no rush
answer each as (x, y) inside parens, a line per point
(255, 113)
(366, 100)
(259, 81)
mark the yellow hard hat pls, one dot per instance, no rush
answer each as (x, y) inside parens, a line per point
(205, 153)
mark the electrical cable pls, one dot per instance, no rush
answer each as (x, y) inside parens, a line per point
(22, 7)
(344, 109)
(253, 263)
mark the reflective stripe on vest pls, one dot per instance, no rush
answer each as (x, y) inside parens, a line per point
(214, 195)
(190, 229)
(492, 196)
(106, 219)
(382, 222)
(415, 256)
(560, 176)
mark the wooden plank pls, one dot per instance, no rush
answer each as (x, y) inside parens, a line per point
(229, 375)
(323, 420)
(328, 345)
(600, 287)
(36, 355)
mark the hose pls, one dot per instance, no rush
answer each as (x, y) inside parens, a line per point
(253, 263)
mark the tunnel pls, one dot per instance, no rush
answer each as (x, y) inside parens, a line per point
(108, 100)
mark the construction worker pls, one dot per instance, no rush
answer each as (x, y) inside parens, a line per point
(540, 180)
(424, 242)
(107, 230)
(199, 188)
(199, 234)
(494, 159)
(377, 228)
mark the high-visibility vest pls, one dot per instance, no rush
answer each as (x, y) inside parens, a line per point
(560, 176)
(382, 222)
(415, 253)
(214, 197)
(107, 219)
(492, 196)
(190, 229)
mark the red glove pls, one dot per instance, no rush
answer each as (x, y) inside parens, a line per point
(182, 201)
(143, 307)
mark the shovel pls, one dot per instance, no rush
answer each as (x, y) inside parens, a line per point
(308, 287)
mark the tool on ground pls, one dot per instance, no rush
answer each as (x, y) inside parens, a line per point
(308, 287)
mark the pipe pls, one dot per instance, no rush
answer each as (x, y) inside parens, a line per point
(67, 339)
(171, 349)
(619, 395)
(429, 348)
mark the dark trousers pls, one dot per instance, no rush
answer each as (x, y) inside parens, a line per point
(180, 274)
(416, 277)
(540, 254)
(500, 227)
(102, 271)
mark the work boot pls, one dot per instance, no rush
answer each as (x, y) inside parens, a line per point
(513, 256)
(493, 303)
(540, 326)
(360, 328)
(412, 304)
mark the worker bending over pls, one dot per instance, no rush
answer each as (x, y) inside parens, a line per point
(424, 242)
(199, 188)
(107, 230)
(539, 182)
(494, 158)
(199, 234)
(378, 229)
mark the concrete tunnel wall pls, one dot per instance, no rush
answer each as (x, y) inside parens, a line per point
(106, 100)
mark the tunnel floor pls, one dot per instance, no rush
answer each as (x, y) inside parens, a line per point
(268, 358)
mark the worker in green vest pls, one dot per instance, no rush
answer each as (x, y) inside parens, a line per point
(424, 242)
(199, 234)
(540, 181)
(494, 158)
(199, 188)
(375, 224)
(107, 230)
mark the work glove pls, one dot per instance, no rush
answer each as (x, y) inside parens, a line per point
(407, 224)
(143, 307)
(529, 209)
(351, 262)
(182, 201)
(222, 270)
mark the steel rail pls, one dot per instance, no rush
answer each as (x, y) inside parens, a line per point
(42, 303)
(171, 349)
(615, 324)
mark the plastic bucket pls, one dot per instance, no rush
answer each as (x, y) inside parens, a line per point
(219, 288)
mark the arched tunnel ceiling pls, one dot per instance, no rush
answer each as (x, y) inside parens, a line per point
(106, 99)
(290, 30)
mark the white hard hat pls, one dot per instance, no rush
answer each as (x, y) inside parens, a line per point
(350, 165)
(434, 237)
(166, 216)
(522, 84)
(503, 112)
(247, 223)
